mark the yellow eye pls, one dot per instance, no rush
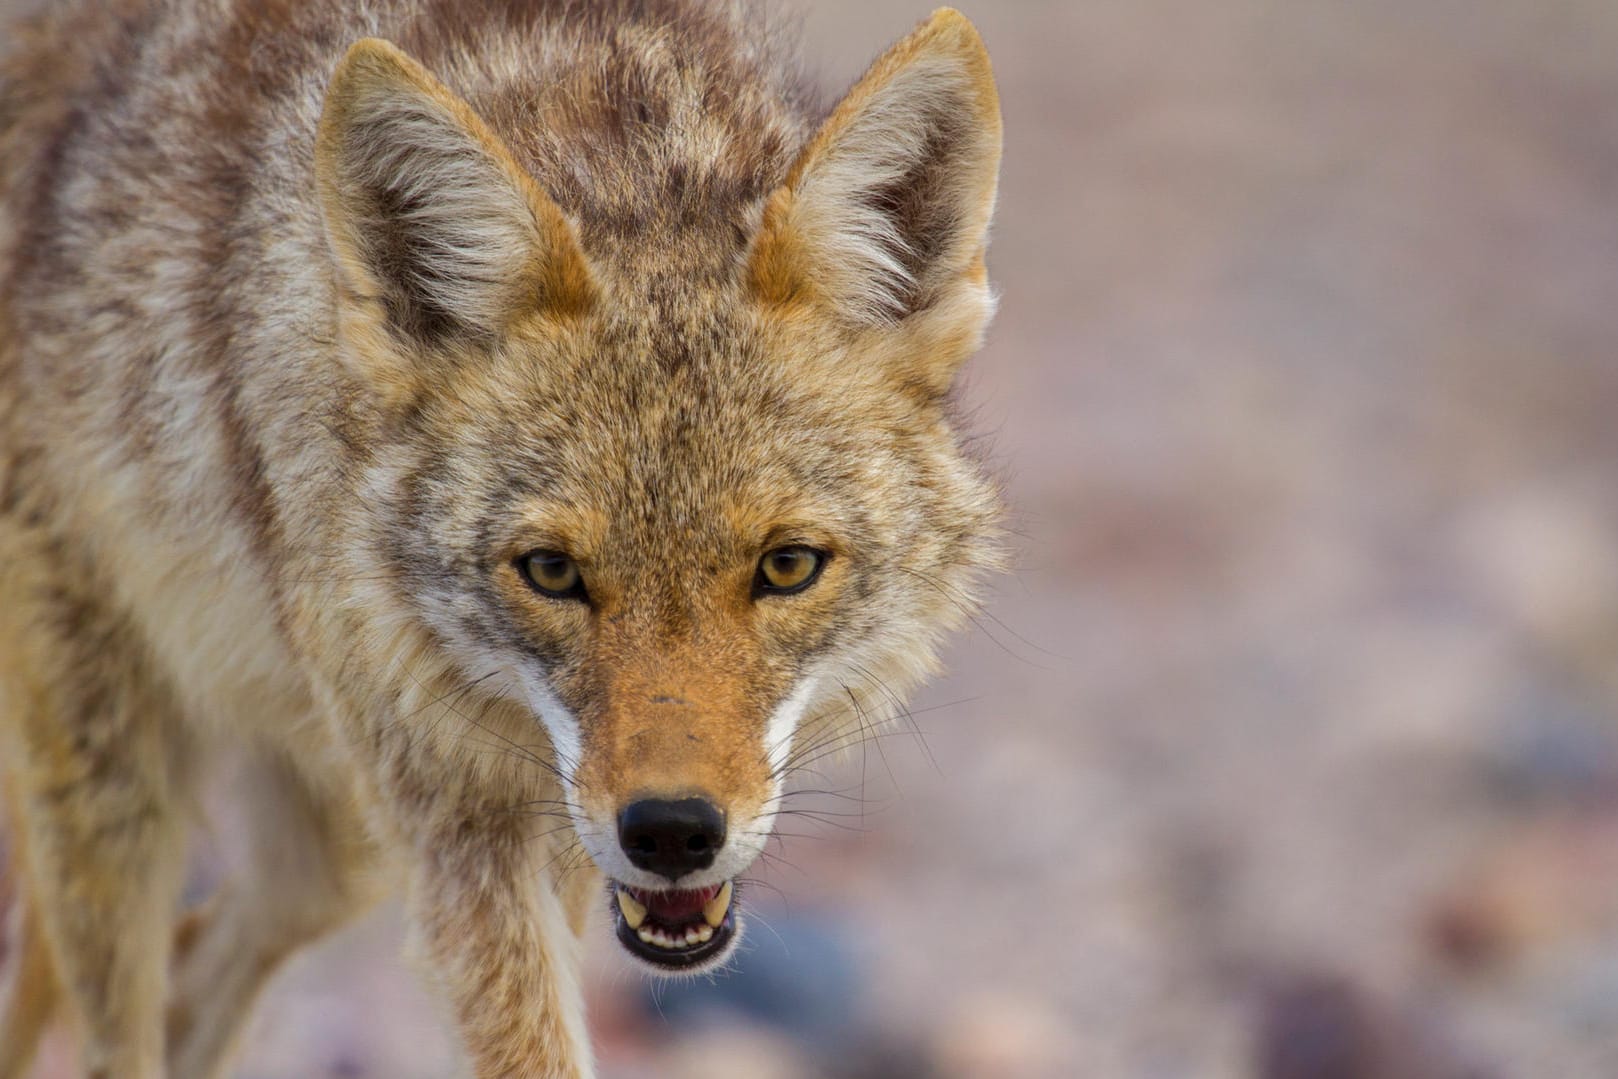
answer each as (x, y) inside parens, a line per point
(553, 574)
(789, 569)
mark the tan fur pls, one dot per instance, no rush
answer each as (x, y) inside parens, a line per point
(314, 319)
(28, 987)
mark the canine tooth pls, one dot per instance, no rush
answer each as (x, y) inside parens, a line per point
(714, 912)
(634, 912)
(645, 935)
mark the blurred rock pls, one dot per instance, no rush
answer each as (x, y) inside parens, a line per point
(1554, 747)
(1006, 1035)
(1317, 1025)
(734, 1051)
(1316, 1028)
(793, 975)
(1545, 885)
(1546, 555)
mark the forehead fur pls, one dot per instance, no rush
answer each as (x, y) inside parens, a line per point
(693, 423)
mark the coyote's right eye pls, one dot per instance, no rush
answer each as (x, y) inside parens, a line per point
(553, 574)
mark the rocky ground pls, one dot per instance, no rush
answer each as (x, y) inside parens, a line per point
(1291, 749)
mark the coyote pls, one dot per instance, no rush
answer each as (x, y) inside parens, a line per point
(519, 432)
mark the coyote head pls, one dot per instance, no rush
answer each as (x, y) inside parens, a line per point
(664, 439)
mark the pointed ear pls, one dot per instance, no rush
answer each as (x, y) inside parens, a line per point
(886, 212)
(430, 218)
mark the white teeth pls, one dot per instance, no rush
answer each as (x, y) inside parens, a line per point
(690, 938)
(714, 912)
(676, 938)
(634, 913)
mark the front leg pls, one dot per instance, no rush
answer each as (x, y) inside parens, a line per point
(493, 920)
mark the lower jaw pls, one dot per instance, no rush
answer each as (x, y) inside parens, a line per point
(686, 958)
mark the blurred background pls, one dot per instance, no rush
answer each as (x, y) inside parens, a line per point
(1291, 748)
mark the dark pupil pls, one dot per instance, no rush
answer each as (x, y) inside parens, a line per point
(552, 569)
(787, 564)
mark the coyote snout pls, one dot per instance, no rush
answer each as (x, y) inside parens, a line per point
(675, 793)
(684, 928)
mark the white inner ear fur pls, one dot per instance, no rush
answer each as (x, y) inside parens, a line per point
(470, 227)
(860, 253)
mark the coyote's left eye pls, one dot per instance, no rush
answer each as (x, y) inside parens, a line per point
(552, 574)
(788, 569)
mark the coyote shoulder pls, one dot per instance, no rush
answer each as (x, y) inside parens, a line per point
(510, 428)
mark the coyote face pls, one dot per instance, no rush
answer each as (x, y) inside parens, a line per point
(679, 546)
(679, 517)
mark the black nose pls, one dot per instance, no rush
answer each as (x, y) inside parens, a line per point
(671, 838)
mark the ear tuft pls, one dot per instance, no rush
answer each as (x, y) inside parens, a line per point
(885, 213)
(427, 211)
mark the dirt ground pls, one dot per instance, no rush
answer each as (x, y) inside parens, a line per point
(1291, 748)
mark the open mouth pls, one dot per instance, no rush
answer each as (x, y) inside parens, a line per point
(676, 930)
